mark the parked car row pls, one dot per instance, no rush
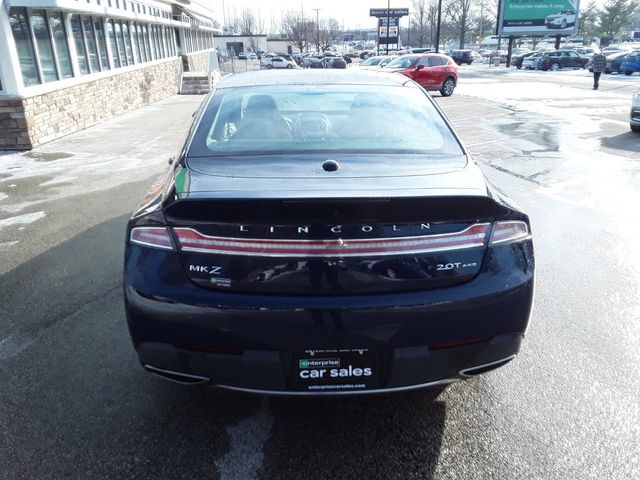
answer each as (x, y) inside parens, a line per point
(551, 60)
(618, 60)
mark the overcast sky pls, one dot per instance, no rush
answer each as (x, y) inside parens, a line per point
(352, 13)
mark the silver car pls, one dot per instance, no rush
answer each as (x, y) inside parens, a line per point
(532, 61)
(634, 116)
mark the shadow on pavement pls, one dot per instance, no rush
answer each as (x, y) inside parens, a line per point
(75, 403)
(385, 436)
(625, 141)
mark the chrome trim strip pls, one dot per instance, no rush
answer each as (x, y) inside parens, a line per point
(326, 255)
(445, 381)
(159, 371)
(293, 244)
(503, 360)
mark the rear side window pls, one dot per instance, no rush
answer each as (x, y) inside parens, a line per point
(436, 61)
(321, 118)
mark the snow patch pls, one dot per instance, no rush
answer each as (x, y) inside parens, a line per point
(22, 219)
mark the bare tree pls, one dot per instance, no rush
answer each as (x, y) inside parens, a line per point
(459, 16)
(419, 22)
(250, 25)
(295, 29)
(535, 41)
(326, 33)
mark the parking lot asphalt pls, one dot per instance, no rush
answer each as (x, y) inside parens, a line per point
(75, 403)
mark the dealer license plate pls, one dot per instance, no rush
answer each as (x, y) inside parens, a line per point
(335, 370)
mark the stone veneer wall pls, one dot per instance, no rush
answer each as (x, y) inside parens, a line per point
(31, 121)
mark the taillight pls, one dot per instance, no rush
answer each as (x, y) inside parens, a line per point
(509, 232)
(156, 237)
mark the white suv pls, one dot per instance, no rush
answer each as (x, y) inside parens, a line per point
(561, 19)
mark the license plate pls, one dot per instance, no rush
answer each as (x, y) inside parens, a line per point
(335, 370)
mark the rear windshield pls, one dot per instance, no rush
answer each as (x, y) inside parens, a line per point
(321, 118)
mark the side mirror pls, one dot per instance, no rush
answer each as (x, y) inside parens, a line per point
(419, 67)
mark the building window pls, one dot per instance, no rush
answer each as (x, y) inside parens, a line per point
(163, 42)
(78, 40)
(127, 42)
(176, 34)
(49, 72)
(24, 45)
(147, 43)
(121, 52)
(154, 41)
(102, 44)
(137, 45)
(112, 43)
(59, 33)
(92, 49)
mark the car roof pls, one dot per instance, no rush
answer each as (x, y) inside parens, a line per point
(312, 77)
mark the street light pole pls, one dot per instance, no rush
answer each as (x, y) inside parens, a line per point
(481, 21)
(388, 8)
(317, 27)
(438, 26)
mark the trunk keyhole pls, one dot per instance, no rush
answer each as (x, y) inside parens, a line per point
(330, 166)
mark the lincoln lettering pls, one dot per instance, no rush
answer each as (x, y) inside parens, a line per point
(306, 229)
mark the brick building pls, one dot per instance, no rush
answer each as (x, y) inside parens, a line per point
(68, 64)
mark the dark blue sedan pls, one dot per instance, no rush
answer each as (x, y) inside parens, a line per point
(303, 243)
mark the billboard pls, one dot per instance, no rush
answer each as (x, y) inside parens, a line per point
(538, 17)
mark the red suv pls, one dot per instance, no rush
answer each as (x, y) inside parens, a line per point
(433, 71)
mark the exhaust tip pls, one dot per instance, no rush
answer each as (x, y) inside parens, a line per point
(486, 367)
(177, 377)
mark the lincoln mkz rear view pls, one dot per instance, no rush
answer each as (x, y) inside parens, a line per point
(325, 233)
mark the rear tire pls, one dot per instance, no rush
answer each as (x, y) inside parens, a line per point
(289, 66)
(269, 66)
(448, 86)
(635, 128)
(555, 67)
(519, 67)
(627, 72)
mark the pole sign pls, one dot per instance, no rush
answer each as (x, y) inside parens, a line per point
(388, 23)
(538, 17)
(393, 30)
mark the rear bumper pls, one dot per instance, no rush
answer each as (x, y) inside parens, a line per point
(267, 372)
(244, 341)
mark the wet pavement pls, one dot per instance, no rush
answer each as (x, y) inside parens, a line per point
(75, 403)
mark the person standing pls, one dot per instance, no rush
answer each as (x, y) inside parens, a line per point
(598, 64)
